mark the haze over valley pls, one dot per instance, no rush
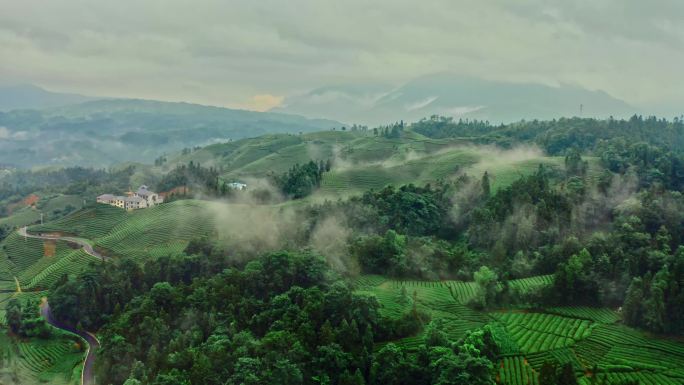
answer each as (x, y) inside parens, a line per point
(341, 193)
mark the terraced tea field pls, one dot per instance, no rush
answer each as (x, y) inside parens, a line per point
(55, 361)
(91, 223)
(160, 230)
(36, 264)
(591, 340)
(516, 371)
(535, 332)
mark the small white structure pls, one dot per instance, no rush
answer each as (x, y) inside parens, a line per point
(237, 186)
(140, 199)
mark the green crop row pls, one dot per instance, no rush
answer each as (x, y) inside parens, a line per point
(91, 223)
(603, 315)
(516, 370)
(366, 281)
(536, 332)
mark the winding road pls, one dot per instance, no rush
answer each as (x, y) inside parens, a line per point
(87, 375)
(87, 247)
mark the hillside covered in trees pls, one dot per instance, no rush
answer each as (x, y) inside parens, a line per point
(471, 276)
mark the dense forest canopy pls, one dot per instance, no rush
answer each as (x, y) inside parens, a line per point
(558, 135)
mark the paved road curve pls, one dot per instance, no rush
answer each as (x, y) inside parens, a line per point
(79, 241)
(88, 375)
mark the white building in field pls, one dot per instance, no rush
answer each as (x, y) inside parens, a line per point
(237, 186)
(140, 199)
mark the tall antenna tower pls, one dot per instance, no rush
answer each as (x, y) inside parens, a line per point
(581, 109)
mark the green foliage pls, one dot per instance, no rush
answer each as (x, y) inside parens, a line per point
(487, 287)
(574, 282)
(411, 210)
(655, 302)
(559, 135)
(446, 127)
(574, 165)
(193, 177)
(486, 187)
(25, 320)
(382, 254)
(462, 362)
(302, 180)
(556, 252)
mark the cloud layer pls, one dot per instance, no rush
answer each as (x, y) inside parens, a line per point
(251, 54)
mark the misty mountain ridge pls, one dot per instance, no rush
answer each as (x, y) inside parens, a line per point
(102, 132)
(109, 131)
(29, 96)
(457, 96)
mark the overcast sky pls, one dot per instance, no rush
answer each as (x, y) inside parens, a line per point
(253, 53)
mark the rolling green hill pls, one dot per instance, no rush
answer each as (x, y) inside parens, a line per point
(362, 160)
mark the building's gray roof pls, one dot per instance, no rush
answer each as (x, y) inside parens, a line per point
(106, 196)
(134, 199)
(144, 191)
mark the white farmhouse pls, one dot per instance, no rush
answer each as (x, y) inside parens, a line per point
(140, 199)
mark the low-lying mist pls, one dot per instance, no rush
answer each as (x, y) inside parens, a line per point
(260, 219)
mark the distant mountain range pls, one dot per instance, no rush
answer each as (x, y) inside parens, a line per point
(28, 96)
(40, 127)
(108, 131)
(456, 96)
